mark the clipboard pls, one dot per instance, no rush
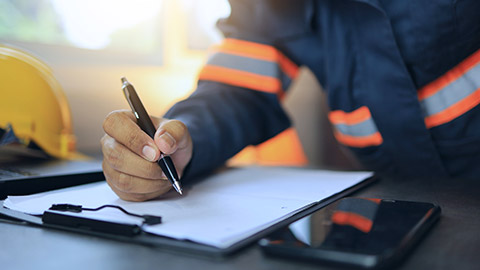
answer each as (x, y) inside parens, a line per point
(128, 233)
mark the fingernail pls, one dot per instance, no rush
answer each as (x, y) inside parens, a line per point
(149, 153)
(168, 139)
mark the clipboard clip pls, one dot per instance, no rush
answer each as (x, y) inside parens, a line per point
(94, 225)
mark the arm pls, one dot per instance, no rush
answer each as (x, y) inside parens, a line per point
(236, 104)
(223, 119)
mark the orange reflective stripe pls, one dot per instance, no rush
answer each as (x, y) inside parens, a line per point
(453, 94)
(377, 201)
(285, 149)
(263, 68)
(258, 51)
(357, 221)
(449, 77)
(454, 111)
(359, 141)
(350, 118)
(252, 65)
(242, 79)
(247, 49)
(290, 68)
(356, 128)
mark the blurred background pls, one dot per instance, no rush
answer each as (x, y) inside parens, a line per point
(160, 46)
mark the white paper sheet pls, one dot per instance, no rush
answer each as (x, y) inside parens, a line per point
(218, 211)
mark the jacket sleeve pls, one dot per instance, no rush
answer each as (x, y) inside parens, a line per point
(237, 101)
(223, 119)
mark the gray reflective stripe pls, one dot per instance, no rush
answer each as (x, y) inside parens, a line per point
(361, 129)
(363, 207)
(251, 65)
(265, 68)
(452, 93)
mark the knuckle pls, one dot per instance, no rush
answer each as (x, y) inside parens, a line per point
(113, 155)
(153, 171)
(178, 128)
(105, 143)
(114, 183)
(136, 141)
(179, 125)
(115, 119)
(134, 138)
(106, 170)
(109, 121)
(125, 182)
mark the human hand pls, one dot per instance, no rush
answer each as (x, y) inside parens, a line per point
(130, 155)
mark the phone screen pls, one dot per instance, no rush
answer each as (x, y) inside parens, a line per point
(355, 231)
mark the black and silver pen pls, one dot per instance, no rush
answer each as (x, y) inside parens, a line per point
(145, 123)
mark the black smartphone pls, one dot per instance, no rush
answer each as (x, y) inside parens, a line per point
(363, 232)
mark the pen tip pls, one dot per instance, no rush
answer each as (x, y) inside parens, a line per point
(177, 187)
(124, 80)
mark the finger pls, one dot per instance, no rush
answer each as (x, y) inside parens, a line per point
(171, 136)
(121, 125)
(126, 183)
(123, 160)
(136, 197)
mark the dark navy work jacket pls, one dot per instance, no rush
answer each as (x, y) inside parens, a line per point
(401, 77)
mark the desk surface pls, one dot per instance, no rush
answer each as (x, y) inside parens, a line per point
(453, 243)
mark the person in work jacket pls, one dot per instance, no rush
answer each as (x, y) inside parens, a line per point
(402, 80)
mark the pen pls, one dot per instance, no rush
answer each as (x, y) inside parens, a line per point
(145, 123)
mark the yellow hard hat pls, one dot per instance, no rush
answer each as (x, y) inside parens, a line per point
(33, 105)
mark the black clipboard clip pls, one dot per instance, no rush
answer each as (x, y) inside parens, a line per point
(93, 225)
